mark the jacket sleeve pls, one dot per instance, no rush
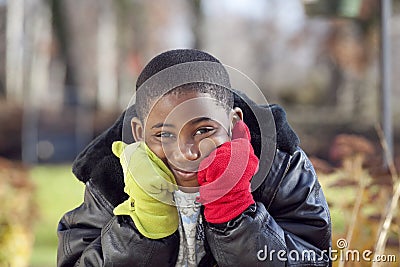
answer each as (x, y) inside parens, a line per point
(79, 230)
(289, 224)
(91, 236)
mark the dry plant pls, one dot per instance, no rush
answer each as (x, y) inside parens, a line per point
(352, 151)
(390, 212)
(17, 213)
(356, 192)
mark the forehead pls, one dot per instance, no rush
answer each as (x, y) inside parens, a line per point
(180, 108)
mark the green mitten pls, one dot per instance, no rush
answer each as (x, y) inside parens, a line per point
(150, 186)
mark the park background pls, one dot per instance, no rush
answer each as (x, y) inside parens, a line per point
(68, 68)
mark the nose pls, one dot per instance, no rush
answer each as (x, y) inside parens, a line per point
(185, 157)
(189, 151)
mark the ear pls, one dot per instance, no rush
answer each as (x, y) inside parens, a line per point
(137, 129)
(237, 115)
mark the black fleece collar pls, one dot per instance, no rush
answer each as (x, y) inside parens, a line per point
(97, 162)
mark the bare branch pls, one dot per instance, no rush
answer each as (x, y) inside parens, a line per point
(393, 202)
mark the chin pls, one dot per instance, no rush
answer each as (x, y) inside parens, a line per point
(188, 186)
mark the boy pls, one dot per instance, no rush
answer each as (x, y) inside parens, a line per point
(195, 140)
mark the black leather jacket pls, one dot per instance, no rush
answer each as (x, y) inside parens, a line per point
(288, 226)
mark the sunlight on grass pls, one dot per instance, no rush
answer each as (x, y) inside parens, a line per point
(57, 191)
(336, 197)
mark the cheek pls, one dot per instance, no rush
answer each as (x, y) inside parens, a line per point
(158, 150)
(209, 144)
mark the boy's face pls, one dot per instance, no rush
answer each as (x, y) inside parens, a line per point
(183, 129)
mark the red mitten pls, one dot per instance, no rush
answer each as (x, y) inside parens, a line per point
(224, 177)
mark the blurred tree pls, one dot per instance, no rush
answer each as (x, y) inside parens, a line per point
(60, 28)
(197, 23)
(131, 38)
(107, 81)
(3, 19)
(340, 8)
(351, 46)
(15, 50)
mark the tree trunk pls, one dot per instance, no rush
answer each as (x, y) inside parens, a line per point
(14, 50)
(107, 95)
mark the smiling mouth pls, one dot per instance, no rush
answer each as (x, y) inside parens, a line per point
(185, 175)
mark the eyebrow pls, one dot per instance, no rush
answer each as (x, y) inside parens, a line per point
(161, 124)
(201, 119)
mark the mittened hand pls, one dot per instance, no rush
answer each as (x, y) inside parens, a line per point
(224, 177)
(149, 184)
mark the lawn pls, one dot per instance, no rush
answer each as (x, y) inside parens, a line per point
(57, 191)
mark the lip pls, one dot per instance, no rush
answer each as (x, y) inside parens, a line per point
(184, 175)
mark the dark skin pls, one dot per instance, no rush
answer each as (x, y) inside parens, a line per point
(183, 129)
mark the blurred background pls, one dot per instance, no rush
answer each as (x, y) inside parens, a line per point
(68, 69)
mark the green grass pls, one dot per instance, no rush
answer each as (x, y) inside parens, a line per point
(57, 191)
(337, 197)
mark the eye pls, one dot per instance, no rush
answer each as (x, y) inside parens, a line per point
(163, 135)
(204, 130)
